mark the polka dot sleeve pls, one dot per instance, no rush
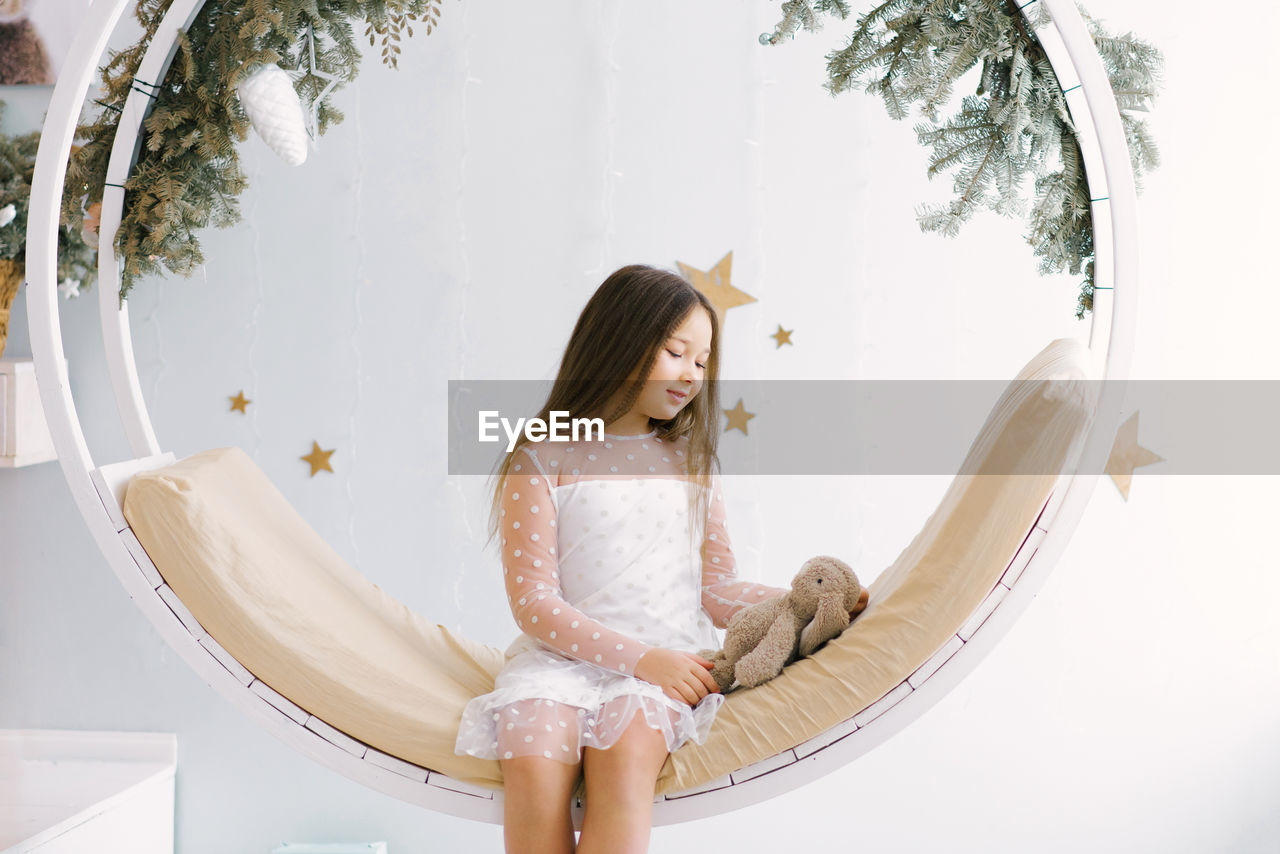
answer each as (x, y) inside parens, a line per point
(531, 573)
(723, 594)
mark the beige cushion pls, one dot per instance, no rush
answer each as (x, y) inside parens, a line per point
(927, 594)
(288, 608)
(292, 611)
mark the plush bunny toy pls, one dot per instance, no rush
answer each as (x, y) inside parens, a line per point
(762, 639)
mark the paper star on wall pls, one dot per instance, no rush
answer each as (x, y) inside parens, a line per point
(319, 459)
(1127, 454)
(738, 417)
(782, 336)
(714, 284)
(239, 402)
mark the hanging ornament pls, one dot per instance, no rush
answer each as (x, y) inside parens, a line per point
(332, 80)
(275, 112)
(92, 220)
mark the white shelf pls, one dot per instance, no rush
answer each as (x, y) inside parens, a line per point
(24, 433)
(64, 791)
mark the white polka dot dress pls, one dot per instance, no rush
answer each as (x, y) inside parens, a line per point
(598, 570)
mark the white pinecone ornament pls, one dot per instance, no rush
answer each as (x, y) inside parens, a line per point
(275, 112)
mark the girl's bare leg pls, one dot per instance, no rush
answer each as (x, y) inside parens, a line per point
(537, 796)
(620, 783)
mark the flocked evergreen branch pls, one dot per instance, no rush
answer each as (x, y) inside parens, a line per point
(1014, 126)
(187, 175)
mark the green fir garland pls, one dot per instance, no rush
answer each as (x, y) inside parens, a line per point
(909, 51)
(188, 175)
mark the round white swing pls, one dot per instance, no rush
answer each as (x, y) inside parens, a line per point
(196, 525)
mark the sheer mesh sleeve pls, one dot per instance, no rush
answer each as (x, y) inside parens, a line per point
(723, 593)
(531, 573)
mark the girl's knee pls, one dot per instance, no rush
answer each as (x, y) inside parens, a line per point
(537, 808)
(635, 758)
(539, 774)
(641, 732)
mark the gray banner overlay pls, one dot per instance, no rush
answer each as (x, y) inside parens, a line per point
(922, 427)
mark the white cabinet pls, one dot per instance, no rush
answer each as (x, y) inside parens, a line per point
(70, 791)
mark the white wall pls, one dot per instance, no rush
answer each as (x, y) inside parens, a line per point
(453, 226)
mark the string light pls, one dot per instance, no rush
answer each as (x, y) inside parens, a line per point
(610, 173)
(757, 163)
(354, 340)
(252, 217)
(463, 346)
(159, 338)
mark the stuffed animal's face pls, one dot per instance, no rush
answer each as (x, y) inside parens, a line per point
(824, 578)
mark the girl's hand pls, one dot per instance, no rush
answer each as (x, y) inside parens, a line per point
(681, 675)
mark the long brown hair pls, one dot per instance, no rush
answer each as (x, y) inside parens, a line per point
(622, 328)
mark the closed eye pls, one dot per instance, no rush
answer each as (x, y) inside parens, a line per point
(679, 356)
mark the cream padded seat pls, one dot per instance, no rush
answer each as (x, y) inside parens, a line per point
(280, 600)
(937, 582)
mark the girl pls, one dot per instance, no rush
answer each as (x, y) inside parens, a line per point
(617, 567)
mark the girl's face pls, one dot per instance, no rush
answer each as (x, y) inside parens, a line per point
(679, 367)
(677, 374)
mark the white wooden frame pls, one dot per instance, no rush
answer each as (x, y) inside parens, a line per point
(96, 488)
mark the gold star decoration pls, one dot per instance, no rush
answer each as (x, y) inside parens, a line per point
(782, 336)
(738, 418)
(714, 284)
(1127, 454)
(239, 402)
(319, 459)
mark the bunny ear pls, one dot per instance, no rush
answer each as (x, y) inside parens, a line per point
(829, 621)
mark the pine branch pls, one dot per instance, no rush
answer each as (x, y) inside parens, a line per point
(915, 51)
